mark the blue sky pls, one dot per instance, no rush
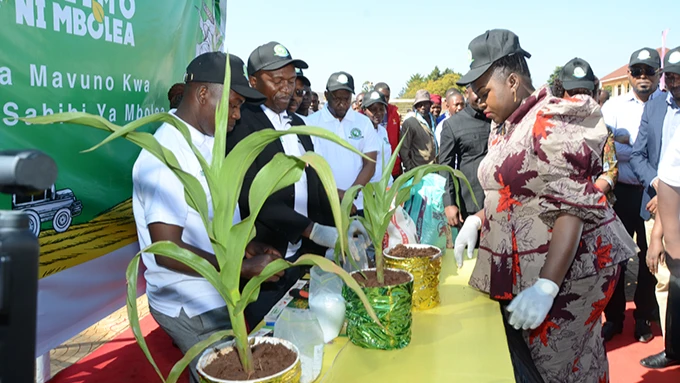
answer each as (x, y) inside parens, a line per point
(381, 40)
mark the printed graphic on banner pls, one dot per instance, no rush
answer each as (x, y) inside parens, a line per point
(114, 58)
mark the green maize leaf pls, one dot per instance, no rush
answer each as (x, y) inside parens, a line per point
(198, 198)
(194, 352)
(387, 170)
(196, 263)
(280, 172)
(346, 209)
(221, 122)
(323, 170)
(244, 154)
(132, 274)
(310, 260)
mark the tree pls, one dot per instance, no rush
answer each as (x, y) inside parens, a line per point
(555, 74)
(437, 82)
(367, 86)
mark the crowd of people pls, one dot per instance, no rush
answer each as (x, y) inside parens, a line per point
(563, 178)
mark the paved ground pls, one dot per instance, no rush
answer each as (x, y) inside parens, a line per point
(89, 340)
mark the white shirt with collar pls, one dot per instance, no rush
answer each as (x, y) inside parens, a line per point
(671, 123)
(292, 147)
(622, 115)
(158, 196)
(354, 128)
(384, 153)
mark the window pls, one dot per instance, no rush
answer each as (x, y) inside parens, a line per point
(618, 90)
(20, 199)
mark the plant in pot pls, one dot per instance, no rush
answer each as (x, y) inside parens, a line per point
(224, 176)
(405, 279)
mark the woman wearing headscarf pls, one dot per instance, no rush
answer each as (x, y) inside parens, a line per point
(550, 243)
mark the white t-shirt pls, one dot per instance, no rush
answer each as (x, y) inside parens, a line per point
(356, 129)
(292, 147)
(384, 153)
(158, 196)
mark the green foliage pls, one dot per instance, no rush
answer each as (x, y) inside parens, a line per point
(381, 200)
(437, 82)
(224, 176)
(555, 74)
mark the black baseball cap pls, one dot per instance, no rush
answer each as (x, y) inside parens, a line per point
(646, 56)
(301, 76)
(340, 81)
(373, 97)
(671, 62)
(210, 67)
(271, 56)
(486, 49)
(576, 74)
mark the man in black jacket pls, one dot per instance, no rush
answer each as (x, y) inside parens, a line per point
(296, 219)
(463, 146)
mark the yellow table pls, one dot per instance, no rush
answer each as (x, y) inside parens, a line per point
(462, 340)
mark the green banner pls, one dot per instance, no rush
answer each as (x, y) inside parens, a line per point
(115, 58)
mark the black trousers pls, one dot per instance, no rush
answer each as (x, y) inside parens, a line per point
(627, 207)
(522, 363)
(672, 335)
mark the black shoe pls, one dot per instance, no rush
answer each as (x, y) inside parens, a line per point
(609, 329)
(658, 361)
(643, 331)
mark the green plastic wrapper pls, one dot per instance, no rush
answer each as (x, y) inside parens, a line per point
(392, 305)
(425, 273)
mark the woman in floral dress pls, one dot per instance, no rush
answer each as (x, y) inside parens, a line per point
(550, 243)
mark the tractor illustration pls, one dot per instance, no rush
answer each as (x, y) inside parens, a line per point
(58, 206)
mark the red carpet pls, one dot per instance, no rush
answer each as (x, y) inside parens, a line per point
(121, 360)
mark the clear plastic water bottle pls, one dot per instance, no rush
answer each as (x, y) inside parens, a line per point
(326, 301)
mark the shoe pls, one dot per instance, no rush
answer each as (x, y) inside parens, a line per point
(658, 361)
(609, 329)
(643, 331)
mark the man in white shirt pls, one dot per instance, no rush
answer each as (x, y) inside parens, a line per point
(455, 102)
(623, 115)
(348, 168)
(660, 123)
(374, 107)
(184, 304)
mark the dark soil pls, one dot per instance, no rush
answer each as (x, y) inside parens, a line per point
(401, 251)
(392, 278)
(268, 360)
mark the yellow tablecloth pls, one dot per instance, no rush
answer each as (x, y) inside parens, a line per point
(462, 340)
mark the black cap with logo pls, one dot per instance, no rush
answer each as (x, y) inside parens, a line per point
(645, 56)
(373, 97)
(340, 81)
(210, 67)
(671, 62)
(301, 76)
(577, 74)
(486, 49)
(271, 56)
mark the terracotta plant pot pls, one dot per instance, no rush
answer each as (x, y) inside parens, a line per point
(392, 305)
(291, 374)
(425, 271)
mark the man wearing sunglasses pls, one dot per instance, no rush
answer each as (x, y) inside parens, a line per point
(622, 115)
(660, 122)
(301, 84)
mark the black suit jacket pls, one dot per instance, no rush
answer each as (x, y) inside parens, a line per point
(278, 223)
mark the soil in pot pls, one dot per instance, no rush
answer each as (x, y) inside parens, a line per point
(401, 251)
(392, 278)
(268, 359)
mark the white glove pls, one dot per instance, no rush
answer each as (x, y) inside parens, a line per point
(467, 237)
(356, 229)
(325, 236)
(530, 307)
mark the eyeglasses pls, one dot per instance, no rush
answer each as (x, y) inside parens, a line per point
(637, 71)
(300, 92)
